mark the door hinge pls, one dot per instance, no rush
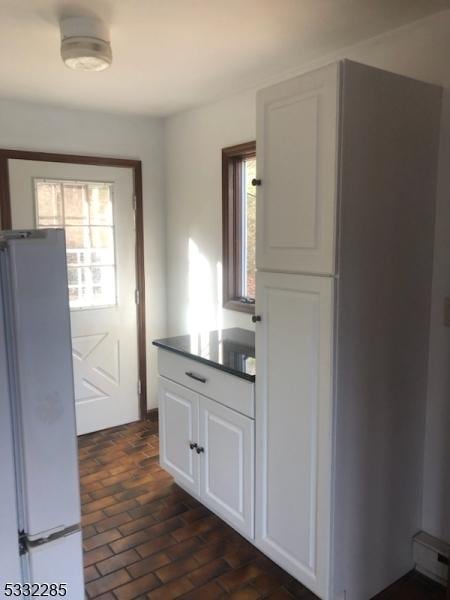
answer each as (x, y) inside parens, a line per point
(134, 203)
(136, 296)
(139, 386)
(22, 543)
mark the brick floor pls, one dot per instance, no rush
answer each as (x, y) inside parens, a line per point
(145, 538)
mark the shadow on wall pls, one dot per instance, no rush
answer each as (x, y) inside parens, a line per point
(205, 293)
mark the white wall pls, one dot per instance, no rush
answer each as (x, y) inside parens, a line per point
(194, 211)
(193, 195)
(27, 126)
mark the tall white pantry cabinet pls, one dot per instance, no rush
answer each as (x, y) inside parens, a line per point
(347, 159)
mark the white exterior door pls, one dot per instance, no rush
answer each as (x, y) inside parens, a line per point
(94, 204)
(294, 424)
(178, 430)
(296, 136)
(227, 457)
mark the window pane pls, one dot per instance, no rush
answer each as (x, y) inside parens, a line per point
(49, 204)
(72, 276)
(77, 238)
(73, 295)
(102, 237)
(92, 286)
(75, 204)
(74, 256)
(100, 204)
(102, 286)
(103, 256)
(249, 283)
(85, 210)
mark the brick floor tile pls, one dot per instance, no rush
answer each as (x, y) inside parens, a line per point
(148, 565)
(107, 583)
(137, 586)
(176, 569)
(95, 556)
(174, 589)
(117, 561)
(209, 571)
(100, 539)
(111, 522)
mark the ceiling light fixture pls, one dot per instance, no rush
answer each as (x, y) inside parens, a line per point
(85, 44)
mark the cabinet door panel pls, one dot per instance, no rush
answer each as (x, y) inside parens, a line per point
(297, 156)
(227, 472)
(293, 420)
(178, 408)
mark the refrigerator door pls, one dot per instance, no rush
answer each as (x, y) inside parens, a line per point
(9, 539)
(45, 409)
(61, 562)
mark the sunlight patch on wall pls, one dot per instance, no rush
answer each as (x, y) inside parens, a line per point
(203, 303)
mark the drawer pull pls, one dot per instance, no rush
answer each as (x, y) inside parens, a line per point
(196, 377)
(199, 449)
(192, 445)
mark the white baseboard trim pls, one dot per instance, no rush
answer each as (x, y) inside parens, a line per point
(431, 557)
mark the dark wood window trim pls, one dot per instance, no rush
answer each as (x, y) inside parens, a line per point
(136, 166)
(232, 224)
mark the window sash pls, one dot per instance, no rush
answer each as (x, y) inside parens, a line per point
(234, 222)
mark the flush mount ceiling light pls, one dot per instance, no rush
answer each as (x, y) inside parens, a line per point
(85, 44)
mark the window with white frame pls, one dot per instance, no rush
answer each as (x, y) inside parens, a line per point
(85, 210)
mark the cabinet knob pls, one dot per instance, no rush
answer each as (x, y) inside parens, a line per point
(192, 445)
(199, 449)
(256, 182)
(256, 318)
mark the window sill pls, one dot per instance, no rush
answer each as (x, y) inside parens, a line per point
(240, 306)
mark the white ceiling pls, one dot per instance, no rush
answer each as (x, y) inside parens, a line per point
(169, 55)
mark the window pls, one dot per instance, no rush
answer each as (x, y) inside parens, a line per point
(239, 224)
(85, 211)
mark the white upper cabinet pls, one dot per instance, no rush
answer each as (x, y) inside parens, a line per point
(297, 123)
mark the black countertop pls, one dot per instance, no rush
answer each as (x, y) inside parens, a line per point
(230, 350)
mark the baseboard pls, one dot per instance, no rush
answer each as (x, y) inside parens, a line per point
(431, 556)
(152, 415)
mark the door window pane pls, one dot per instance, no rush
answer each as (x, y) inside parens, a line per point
(49, 203)
(100, 205)
(76, 211)
(101, 237)
(85, 211)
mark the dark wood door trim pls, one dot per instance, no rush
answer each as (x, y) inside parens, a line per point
(136, 166)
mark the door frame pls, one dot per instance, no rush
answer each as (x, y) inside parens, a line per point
(136, 166)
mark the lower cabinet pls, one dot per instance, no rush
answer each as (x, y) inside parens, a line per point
(178, 418)
(209, 450)
(226, 474)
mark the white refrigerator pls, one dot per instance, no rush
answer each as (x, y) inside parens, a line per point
(40, 539)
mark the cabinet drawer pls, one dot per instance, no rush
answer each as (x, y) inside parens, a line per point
(229, 390)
